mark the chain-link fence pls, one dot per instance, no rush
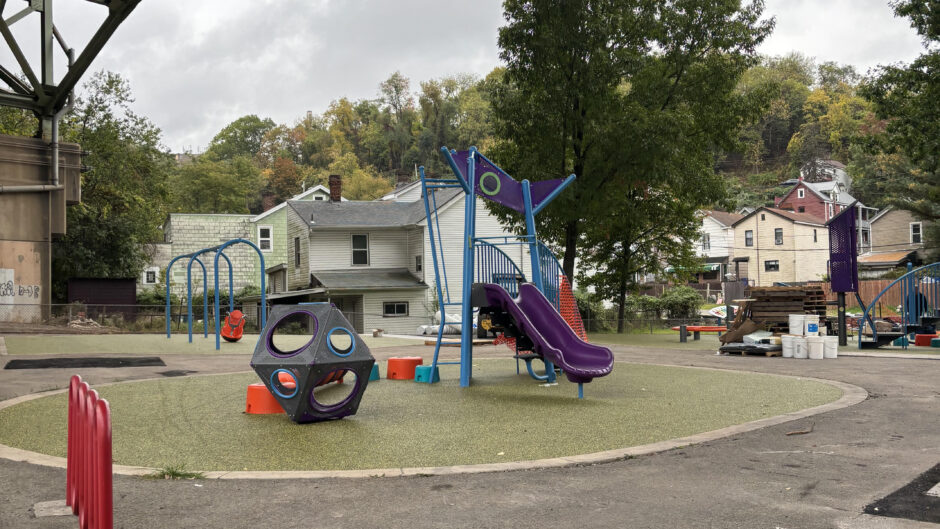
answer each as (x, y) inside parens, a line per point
(113, 318)
(642, 325)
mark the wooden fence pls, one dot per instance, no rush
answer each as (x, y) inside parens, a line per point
(867, 289)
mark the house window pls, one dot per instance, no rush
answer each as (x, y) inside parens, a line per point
(394, 309)
(418, 263)
(916, 237)
(800, 193)
(264, 238)
(360, 250)
(706, 242)
(763, 217)
(830, 210)
(866, 237)
(801, 209)
(772, 266)
(749, 238)
(296, 251)
(151, 275)
(778, 236)
(815, 237)
(318, 198)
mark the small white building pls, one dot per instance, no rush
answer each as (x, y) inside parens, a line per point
(717, 244)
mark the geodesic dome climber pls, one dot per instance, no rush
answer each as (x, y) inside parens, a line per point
(298, 378)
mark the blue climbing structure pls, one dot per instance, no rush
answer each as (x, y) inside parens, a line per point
(194, 258)
(484, 260)
(919, 293)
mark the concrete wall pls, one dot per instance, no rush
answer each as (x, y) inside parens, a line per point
(29, 221)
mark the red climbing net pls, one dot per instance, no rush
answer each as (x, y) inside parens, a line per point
(569, 311)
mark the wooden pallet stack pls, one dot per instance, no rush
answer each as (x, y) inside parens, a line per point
(772, 306)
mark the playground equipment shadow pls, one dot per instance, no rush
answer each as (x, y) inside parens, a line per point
(198, 422)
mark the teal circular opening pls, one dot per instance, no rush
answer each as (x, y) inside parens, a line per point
(340, 345)
(483, 179)
(286, 389)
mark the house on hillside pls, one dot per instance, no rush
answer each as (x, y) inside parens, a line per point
(826, 171)
(717, 245)
(373, 260)
(896, 239)
(370, 258)
(189, 232)
(773, 245)
(825, 200)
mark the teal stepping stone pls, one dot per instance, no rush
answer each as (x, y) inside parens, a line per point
(901, 342)
(935, 342)
(426, 374)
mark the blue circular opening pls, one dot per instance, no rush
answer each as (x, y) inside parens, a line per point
(269, 336)
(279, 388)
(340, 351)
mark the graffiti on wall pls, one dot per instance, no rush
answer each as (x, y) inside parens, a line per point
(10, 292)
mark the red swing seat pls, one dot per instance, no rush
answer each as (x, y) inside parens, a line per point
(234, 326)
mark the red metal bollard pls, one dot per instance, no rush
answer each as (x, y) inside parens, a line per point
(88, 486)
(103, 489)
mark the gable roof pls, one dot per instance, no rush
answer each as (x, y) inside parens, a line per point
(800, 218)
(723, 217)
(403, 188)
(283, 205)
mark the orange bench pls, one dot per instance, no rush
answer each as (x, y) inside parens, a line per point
(697, 329)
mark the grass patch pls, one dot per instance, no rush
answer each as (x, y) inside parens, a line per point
(157, 344)
(175, 472)
(198, 422)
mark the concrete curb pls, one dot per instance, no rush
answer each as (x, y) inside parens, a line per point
(909, 356)
(851, 395)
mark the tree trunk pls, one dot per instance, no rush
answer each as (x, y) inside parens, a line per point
(571, 248)
(622, 302)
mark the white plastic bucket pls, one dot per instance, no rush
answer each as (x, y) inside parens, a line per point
(815, 347)
(799, 347)
(796, 324)
(787, 341)
(831, 347)
(811, 324)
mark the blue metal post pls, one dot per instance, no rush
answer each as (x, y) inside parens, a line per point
(534, 256)
(466, 323)
(437, 276)
(189, 296)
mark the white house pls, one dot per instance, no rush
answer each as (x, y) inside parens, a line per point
(717, 244)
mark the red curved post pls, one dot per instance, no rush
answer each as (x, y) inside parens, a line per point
(87, 493)
(74, 382)
(104, 518)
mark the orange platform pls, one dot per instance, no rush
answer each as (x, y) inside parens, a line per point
(260, 401)
(923, 340)
(403, 368)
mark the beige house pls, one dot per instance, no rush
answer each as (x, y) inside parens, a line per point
(897, 238)
(774, 245)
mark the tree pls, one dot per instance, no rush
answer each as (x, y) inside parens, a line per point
(241, 137)
(210, 186)
(124, 194)
(626, 95)
(906, 96)
(359, 183)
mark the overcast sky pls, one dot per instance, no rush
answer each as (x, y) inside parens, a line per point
(196, 66)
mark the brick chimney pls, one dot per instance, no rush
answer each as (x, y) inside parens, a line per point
(268, 200)
(336, 188)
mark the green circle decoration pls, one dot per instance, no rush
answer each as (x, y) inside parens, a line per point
(483, 188)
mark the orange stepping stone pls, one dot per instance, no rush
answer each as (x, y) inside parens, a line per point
(403, 368)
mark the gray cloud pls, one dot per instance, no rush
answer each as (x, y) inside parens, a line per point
(196, 66)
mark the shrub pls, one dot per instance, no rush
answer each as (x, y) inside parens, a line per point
(681, 302)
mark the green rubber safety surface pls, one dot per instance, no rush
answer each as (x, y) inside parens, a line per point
(159, 344)
(199, 421)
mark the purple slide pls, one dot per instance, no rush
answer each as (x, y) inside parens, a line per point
(552, 337)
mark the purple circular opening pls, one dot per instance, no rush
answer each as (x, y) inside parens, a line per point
(269, 338)
(330, 408)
